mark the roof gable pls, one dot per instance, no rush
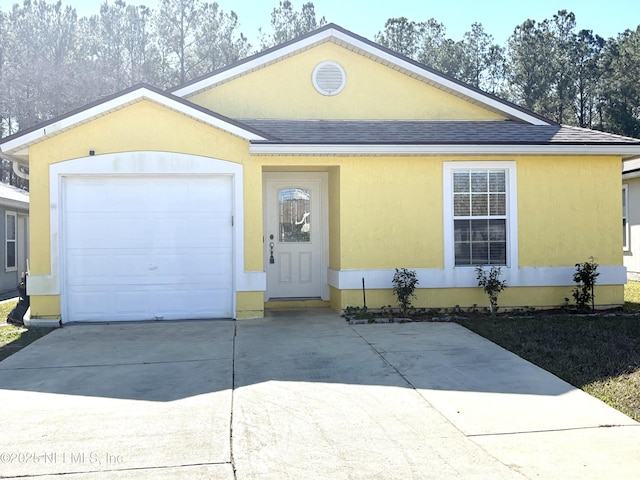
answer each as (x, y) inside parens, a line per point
(16, 147)
(332, 33)
(369, 90)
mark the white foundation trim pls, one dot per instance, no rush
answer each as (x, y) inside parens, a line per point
(465, 277)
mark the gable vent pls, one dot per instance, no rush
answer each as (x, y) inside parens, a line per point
(329, 78)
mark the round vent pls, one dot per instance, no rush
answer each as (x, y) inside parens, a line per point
(329, 78)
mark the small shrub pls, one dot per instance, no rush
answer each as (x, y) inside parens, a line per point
(404, 286)
(491, 284)
(585, 277)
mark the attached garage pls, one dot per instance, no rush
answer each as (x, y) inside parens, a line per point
(147, 247)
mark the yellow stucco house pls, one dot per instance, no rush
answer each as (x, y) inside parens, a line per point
(296, 173)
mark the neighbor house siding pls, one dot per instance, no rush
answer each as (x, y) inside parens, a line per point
(632, 254)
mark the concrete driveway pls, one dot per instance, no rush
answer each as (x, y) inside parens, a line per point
(300, 395)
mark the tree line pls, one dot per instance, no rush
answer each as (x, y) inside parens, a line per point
(572, 77)
(53, 61)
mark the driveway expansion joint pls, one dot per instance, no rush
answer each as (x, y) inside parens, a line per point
(551, 430)
(233, 390)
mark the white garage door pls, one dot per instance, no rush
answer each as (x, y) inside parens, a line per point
(147, 248)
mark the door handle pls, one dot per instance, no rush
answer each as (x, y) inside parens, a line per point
(271, 245)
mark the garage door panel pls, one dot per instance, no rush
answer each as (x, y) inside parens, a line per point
(138, 303)
(148, 248)
(85, 230)
(97, 267)
(107, 231)
(86, 197)
(137, 230)
(193, 303)
(118, 305)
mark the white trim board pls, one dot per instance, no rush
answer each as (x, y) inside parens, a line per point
(465, 277)
(390, 149)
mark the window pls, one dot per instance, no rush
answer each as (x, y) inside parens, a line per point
(480, 214)
(11, 224)
(480, 217)
(625, 216)
(294, 210)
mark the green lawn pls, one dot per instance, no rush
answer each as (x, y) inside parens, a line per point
(13, 338)
(599, 354)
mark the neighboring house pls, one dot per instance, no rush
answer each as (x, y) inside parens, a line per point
(14, 228)
(631, 217)
(296, 173)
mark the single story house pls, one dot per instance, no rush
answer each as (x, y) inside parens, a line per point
(14, 228)
(292, 175)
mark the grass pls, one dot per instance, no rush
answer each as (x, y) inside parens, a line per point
(14, 338)
(599, 354)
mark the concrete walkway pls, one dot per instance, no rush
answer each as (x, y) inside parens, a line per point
(297, 396)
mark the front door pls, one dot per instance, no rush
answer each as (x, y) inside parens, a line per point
(294, 235)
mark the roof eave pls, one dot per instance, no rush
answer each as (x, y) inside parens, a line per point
(15, 204)
(16, 146)
(261, 148)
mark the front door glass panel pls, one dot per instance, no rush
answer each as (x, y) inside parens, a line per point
(294, 208)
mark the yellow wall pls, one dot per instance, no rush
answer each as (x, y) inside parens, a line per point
(392, 214)
(372, 91)
(390, 209)
(555, 227)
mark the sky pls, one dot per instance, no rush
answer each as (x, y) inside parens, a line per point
(606, 18)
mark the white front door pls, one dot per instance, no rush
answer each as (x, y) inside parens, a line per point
(295, 235)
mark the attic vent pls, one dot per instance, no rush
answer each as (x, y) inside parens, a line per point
(329, 78)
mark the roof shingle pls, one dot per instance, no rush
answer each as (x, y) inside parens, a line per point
(372, 132)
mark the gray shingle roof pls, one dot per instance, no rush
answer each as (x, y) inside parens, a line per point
(429, 133)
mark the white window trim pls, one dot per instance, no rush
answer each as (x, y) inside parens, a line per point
(625, 217)
(512, 209)
(7, 240)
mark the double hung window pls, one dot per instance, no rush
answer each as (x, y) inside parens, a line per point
(11, 225)
(480, 217)
(480, 213)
